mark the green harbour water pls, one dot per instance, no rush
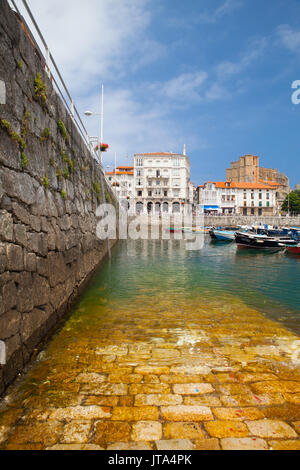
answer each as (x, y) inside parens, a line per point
(220, 271)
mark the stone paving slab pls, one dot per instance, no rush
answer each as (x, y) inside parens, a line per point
(195, 377)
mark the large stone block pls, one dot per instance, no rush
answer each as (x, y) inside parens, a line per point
(30, 262)
(25, 292)
(20, 186)
(31, 322)
(41, 291)
(37, 243)
(20, 234)
(57, 269)
(15, 258)
(6, 226)
(9, 324)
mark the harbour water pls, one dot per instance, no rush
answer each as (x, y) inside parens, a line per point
(169, 349)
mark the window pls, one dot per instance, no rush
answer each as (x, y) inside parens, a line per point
(157, 183)
(157, 173)
(176, 182)
(176, 172)
(138, 172)
(139, 162)
(139, 182)
(245, 195)
(268, 195)
(176, 162)
(165, 193)
(260, 203)
(140, 193)
(150, 193)
(252, 211)
(268, 204)
(150, 183)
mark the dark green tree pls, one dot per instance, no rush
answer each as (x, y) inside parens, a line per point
(292, 203)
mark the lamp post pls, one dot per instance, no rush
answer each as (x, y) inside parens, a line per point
(89, 114)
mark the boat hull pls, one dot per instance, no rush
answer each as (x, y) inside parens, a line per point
(244, 240)
(222, 235)
(293, 249)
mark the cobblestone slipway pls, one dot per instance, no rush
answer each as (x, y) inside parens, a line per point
(198, 376)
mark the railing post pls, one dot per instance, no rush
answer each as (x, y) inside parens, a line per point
(48, 62)
(72, 111)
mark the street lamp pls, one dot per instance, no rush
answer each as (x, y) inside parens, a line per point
(90, 113)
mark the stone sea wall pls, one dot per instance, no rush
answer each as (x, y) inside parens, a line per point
(244, 220)
(50, 187)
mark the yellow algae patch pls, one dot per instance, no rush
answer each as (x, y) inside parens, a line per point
(137, 413)
(224, 429)
(183, 430)
(146, 431)
(186, 413)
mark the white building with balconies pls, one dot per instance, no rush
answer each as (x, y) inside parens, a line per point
(122, 180)
(161, 183)
(228, 198)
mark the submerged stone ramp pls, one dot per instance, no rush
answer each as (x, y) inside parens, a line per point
(168, 375)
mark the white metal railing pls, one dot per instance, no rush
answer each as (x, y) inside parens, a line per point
(62, 89)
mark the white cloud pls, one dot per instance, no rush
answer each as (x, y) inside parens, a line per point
(96, 39)
(185, 87)
(132, 125)
(290, 38)
(226, 8)
(227, 69)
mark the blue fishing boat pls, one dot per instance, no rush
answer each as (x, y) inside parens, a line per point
(222, 235)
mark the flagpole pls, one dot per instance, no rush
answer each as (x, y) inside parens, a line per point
(102, 118)
(102, 167)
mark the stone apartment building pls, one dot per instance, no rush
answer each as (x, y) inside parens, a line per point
(122, 180)
(161, 182)
(247, 170)
(226, 198)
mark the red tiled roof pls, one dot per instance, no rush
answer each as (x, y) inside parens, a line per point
(271, 183)
(119, 173)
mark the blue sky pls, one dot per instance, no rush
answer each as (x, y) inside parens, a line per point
(215, 75)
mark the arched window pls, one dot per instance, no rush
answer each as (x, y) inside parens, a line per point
(139, 207)
(157, 207)
(165, 208)
(176, 208)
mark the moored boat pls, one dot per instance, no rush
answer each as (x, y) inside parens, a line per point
(222, 235)
(295, 249)
(252, 240)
